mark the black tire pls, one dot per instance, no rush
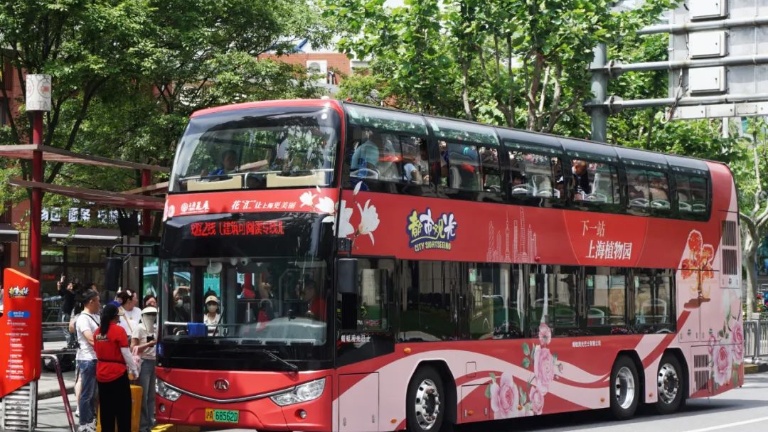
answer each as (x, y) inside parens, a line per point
(425, 403)
(625, 388)
(670, 385)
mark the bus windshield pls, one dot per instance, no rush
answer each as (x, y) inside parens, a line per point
(257, 148)
(246, 302)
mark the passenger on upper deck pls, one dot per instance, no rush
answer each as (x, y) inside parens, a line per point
(366, 155)
(581, 184)
(228, 164)
(638, 186)
(417, 171)
(658, 189)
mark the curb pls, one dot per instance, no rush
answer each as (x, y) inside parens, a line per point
(52, 393)
(755, 368)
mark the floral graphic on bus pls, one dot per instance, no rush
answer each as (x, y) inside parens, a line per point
(726, 347)
(369, 216)
(510, 400)
(698, 266)
(425, 233)
(369, 220)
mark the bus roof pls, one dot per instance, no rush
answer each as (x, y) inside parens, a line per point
(574, 147)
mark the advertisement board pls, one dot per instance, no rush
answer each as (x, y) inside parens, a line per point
(20, 331)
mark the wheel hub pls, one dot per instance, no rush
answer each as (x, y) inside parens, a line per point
(427, 404)
(668, 383)
(624, 388)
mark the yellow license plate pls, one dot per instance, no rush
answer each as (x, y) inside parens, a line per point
(222, 416)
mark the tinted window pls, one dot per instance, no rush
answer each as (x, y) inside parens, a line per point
(601, 185)
(606, 299)
(536, 175)
(460, 166)
(647, 189)
(691, 194)
(653, 308)
(490, 169)
(427, 306)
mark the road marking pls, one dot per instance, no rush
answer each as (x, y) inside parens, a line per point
(728, 425)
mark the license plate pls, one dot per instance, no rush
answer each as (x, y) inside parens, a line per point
(222, 416)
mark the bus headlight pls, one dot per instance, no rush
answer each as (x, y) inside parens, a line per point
(301, 393)
(165, 391)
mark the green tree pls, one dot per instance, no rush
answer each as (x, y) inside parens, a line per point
(127, 73)
(519, 64)
(753, 200)
(206, 53)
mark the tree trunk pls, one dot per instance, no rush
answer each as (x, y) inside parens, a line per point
(749, 258)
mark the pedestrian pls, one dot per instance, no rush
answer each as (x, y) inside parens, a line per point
(67, 294)
(130, 313)
(115, 369)
(143, 344)
(87, 323)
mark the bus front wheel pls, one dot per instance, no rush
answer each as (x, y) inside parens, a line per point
(670, 385)
(625, 388)
(425, 401)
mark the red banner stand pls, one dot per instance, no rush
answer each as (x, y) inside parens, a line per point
(21, 332)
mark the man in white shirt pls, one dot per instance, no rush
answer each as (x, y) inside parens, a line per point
(86, 324)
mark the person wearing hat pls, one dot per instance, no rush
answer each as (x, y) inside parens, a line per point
(212, 317)
(143, 343)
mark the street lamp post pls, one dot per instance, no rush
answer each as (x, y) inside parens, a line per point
(38, 101)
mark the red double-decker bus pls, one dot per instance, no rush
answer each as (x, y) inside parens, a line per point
(334, 266)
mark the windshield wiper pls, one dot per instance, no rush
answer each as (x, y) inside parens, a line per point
(292, 367)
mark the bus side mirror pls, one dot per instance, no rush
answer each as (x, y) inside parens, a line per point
(112, 276)
(346, 272)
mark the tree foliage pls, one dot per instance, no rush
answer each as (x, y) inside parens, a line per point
(521, 64)
(127, 73)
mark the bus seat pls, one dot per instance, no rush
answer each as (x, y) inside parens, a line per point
(276, 180)
(233, 182)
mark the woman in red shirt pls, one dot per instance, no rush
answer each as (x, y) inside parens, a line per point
(113, 364)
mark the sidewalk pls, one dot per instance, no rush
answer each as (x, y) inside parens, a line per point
(48, 386)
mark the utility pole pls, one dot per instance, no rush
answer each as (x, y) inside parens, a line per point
(598, 112)
(38, 101)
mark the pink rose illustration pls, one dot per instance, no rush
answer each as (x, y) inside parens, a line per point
(543, 368)
(545, 334)
(537, 400)
(504, 397)
(737, 333)
(723, 364)
(712, 343)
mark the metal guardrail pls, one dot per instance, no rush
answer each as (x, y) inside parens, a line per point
(755, 339)
(52, 355)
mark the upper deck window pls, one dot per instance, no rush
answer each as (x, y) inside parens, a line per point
(387, 146)
(648, 189)
(258, 148)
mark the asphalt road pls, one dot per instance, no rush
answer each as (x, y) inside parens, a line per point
(739, 410)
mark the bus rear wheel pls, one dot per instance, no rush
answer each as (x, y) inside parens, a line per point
(670, 385)
(625, 388)
(425, 401)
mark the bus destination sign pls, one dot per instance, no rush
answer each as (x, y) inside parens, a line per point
(236, 228)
